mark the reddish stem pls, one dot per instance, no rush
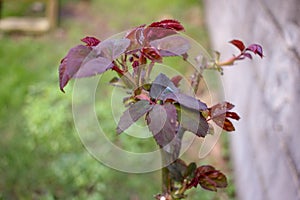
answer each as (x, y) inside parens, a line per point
(118, 70)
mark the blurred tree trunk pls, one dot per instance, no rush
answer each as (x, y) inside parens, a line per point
(266, 93)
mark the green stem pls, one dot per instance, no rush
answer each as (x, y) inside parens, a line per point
(166, 181)
(148, 72)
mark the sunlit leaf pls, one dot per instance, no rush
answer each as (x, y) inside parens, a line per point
(132, 114)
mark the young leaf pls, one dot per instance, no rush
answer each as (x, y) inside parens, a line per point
(168, 24)
(136, 37)
(256, 49)
(71, 64)
(190, 170)
(132, 114)
(239, 44)
(90, 41)
(162, 122)
(192, 120)
(208, 178)
(219, 114)
(211, 179)
(152, 54)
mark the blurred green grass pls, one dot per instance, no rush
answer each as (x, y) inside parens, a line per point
(41, 156)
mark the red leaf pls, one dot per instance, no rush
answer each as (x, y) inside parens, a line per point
(136, 37)
(90, 41)
(176, 79)
(219, 113)
(239, 44)
(232, 115)
(71, 64)
(208, 178)
(211, 180)
(227, 125)
(161, 29)
(152, 54)
(168, 24)
(256, 48)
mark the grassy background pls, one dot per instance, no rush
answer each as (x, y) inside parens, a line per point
(41, 156)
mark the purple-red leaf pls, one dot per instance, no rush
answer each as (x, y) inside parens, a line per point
(248, 55)
(71, 64)
(186, 101)
(168, 24)
(90, 41)
(84, 61)
(174, 45)
(132, 114)
(162, 86)
(93, 67)
(136, 37)
(256, 48)
(162, 122)
(239, 44)
(192, 120)
(112, 48)
(208, 178)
